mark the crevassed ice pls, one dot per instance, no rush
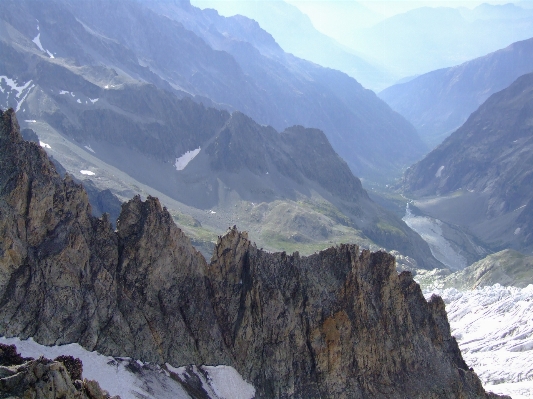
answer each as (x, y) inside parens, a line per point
(494, 328)
(184, 160)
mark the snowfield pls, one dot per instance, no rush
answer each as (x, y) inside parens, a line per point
(494, 328)
(184, 160)
(133, 379)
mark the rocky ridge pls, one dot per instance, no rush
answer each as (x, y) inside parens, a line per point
(340, 323)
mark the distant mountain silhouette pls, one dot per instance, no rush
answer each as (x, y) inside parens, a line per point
(438, 102)
(429, 38)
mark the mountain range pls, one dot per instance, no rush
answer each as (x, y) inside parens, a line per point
(439, 102)
(230, 63)
(429, 38)
(340, 323)
(295, 33)
(129, 123)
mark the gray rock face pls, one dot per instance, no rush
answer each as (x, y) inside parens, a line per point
(340, 323)
(91, 273)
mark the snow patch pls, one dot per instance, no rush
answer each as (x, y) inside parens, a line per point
(220, 382)
(517, 231)
(494, 328)
(12, 86)
(78, 101)
(439, 172)
(431, 231)
(87, 172)
(93, 101)
(37, 41)
(228, 383)
(64, 92)
(30, 121)
(184, 160)
(88, 147)
(115, 375)
(44, 145)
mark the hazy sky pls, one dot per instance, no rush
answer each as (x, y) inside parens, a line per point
(332, 16)
(391, 7)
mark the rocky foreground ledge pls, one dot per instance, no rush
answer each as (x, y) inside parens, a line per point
(338, 324)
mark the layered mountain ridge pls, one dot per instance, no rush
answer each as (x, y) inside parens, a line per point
(143, 130)
(345, 323)
(225, 62)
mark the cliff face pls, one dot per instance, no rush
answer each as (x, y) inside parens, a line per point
(68, 277)
(340, 323)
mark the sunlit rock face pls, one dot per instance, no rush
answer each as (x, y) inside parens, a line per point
(340, 323)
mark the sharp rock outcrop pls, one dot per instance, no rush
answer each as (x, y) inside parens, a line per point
(44, 378)
(340, 323)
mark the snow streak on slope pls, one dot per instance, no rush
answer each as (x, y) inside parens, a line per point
(494, 328)
(431, 231)
(37, 41)
(12, 92)
(184, 160)
(133, 379)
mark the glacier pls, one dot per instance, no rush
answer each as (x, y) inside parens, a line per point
(494, 328)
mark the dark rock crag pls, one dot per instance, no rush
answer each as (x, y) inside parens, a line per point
(340, 323)
(44, 378)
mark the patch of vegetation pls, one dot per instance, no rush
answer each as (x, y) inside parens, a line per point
(182, 219)
(327, 209)
(273, 241)
(388, 228)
